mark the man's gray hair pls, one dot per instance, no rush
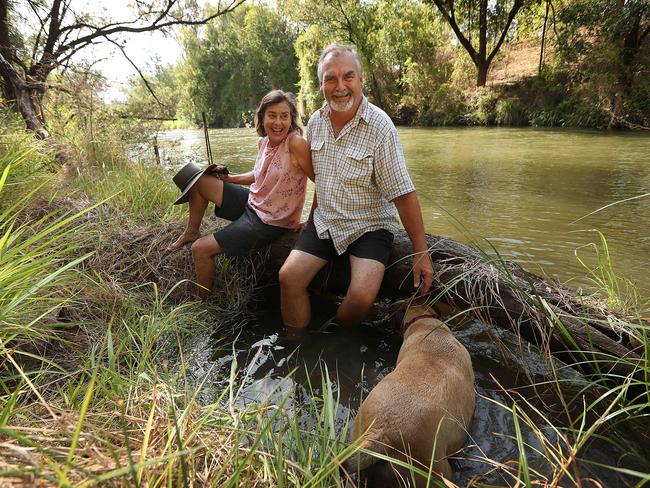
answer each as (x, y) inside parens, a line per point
(335, 49)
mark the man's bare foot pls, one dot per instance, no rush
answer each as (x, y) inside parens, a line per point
(183, 239)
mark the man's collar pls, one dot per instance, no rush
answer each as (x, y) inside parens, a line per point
(364, 109)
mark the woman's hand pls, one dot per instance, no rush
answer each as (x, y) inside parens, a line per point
(299, 228)
(219, 171)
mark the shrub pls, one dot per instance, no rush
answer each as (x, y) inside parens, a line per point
(446, 107)
(510, 111)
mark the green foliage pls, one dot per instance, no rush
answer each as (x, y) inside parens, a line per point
(398, 42)
(164, 84)
(605, 44)
(238, 58)
(31, 161)
(309, 44)
(446, 107)
(485, 106)
(510, 111)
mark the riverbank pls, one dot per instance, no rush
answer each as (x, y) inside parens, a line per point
(96, 328)
(551, 99)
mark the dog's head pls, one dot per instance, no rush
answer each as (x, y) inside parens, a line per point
(416, 310)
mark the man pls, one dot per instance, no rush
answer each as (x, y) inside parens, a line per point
(361, 178)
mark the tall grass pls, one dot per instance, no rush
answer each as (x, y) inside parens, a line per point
(619, 293)
(144, 426)
(610, 407)
(37, 264)
(138, 193)
(110, 399)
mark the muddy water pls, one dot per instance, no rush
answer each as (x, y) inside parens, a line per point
(528, 193)
(274, 369)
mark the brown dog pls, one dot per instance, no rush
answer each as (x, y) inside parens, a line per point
(426, 403)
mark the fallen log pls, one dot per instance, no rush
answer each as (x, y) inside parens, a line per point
(579, 329)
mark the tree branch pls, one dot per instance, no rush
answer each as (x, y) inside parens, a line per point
(451, 20)
(41, 30)
(644, 34)
(157, 24)
(142, 77)
(513, 13)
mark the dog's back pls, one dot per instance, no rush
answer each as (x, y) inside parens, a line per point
(424, 405)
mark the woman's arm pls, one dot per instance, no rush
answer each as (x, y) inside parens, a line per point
(242, 179)
(301, 155)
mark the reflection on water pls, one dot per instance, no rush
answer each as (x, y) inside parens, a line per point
(526, 192)
(519, 190)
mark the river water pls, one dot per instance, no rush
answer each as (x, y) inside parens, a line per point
(538, 197)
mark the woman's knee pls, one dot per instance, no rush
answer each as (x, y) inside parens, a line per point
(209, 187)
(289, 276)
(205, 246)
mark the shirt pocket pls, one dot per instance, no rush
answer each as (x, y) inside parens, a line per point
(357, 166)
(316, 144)
(318, 155)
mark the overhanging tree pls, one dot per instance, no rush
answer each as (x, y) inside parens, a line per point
(490, 21)
(60, 32)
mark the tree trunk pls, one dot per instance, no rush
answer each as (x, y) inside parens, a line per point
(541, 50)
(481, 74)
(500, 293)
(22, 96)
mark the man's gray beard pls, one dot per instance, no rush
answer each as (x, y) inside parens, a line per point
(337, 107)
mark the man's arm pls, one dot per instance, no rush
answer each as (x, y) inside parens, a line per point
(410, 214)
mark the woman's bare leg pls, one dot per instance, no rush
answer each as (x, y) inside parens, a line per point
(207, 189)
(204, 250)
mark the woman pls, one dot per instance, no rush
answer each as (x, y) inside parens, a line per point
(259, 214)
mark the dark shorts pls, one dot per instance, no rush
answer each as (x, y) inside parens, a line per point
(375, 245)
(247, 231)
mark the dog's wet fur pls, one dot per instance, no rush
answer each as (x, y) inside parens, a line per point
(426, 403)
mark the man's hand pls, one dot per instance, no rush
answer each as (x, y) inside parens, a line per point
(422, 272)
(409, 211)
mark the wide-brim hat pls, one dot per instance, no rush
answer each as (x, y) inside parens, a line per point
(185, 179)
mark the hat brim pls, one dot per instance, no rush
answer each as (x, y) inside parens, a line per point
(184, 197)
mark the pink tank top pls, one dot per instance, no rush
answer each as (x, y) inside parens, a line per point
(278, 193)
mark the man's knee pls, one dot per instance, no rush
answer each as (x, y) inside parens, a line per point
(361, 298)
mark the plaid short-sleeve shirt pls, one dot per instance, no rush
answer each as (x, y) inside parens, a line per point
(358, 174)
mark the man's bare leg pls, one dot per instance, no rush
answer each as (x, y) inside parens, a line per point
(295, 275)
(207, 189)
(204, 250)
(365, 281)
